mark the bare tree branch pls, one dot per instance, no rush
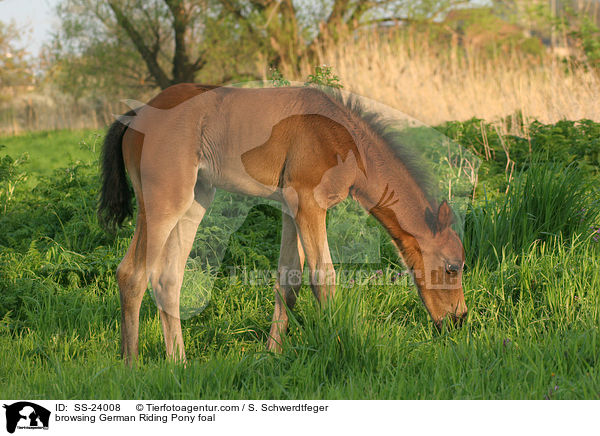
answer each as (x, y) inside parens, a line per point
(149, 55)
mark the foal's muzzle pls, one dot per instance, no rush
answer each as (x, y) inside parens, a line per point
(452, 321)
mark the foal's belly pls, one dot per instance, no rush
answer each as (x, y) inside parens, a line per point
(239, 182)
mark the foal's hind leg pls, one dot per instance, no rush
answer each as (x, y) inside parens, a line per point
(167, 276)
(289, 280)
(133, 280)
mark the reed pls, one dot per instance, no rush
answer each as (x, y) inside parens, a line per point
(436, 83)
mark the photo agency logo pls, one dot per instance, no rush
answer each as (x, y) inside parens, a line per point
(24, 415)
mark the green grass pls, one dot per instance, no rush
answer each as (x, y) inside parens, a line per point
(533, 298)
(544, 202)
(50, 150)
(531, 330)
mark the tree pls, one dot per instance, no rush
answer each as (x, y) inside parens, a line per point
(122, 43)
(112, 45)
(148, 43)
(295, 30)
(181, 20)
(15, 67)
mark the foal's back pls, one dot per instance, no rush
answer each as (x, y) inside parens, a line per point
(252, 141)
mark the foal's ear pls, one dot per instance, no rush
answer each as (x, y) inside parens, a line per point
(445, 216)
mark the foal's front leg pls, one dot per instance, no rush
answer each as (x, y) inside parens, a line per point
(310, 222)
(289, 280)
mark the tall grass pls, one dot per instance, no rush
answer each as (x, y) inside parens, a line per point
(47, 109)
(532, 333)
(433, 83)
(437, 83)
(547, 201)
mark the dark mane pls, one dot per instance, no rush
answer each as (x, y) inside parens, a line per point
(395, 137)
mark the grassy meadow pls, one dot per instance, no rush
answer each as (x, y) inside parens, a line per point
(531, 241)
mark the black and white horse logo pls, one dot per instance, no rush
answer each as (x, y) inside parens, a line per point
(26, 415)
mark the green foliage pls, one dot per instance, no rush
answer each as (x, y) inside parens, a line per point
(277, 78)
(324, 76)
(129, 46)
(11, 175)
(587, 36)
(565, 143)
(530, 189)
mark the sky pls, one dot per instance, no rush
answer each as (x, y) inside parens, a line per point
(35, 15)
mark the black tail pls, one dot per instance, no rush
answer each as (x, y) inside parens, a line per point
(115, 198)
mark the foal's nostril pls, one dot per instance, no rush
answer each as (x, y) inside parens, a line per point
(453, 268)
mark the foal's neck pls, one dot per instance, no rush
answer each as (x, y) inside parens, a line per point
(390, 192)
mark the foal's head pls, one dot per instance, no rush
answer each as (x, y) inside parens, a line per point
(438, 261)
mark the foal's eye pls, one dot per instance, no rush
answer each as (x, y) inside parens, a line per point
(453, 268)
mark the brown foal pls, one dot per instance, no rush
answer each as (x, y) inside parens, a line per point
(300, 146)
